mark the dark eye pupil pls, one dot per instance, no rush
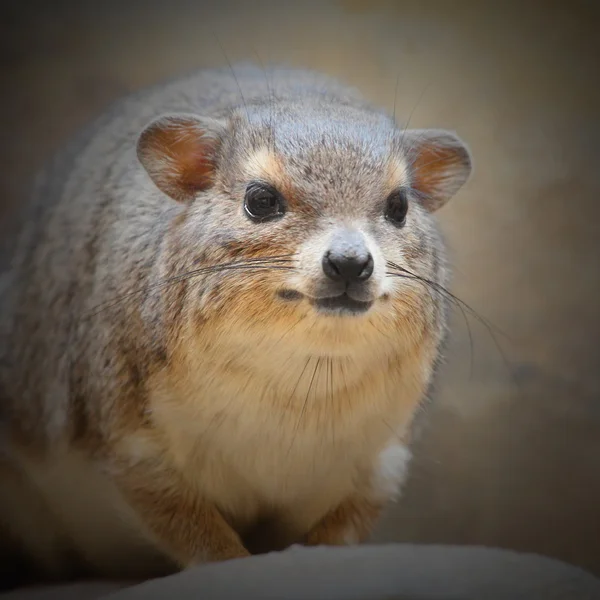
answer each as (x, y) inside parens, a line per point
(396, 207)
(262, 202)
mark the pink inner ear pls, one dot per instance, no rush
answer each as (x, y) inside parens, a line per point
(178, 155)
(438, 171)
(431, 166)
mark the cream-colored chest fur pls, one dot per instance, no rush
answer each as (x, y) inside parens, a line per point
(294, 435)
(289, 448)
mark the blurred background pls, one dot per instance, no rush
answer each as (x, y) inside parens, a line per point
(510, 455)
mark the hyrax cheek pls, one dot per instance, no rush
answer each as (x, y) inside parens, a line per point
(392, 284)
(306, 279)
(297, 281)
(387, 286)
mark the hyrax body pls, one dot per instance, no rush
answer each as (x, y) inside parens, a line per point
(220, 315)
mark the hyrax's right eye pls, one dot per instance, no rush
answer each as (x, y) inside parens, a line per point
(396, 208)
(263, 202)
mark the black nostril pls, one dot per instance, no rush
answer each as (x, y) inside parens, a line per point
(330, 267)
(367, 269)
(342, 267)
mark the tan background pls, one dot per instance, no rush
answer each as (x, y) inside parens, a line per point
(511, 456)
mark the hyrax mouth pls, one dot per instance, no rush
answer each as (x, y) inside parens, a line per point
(341, 305)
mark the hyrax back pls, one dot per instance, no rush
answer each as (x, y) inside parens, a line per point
(221, 314)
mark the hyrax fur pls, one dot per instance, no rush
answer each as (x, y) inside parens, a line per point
(221, 314)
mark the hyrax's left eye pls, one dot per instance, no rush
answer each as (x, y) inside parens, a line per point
(263, 202)
(396, 207)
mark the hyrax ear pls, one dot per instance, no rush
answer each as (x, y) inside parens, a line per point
(440, 164)
(179, 151)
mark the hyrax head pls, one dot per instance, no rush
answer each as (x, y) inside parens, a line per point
(312, 213)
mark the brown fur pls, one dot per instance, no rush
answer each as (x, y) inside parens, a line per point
(350, 522)
(159, 414)
(182, 154)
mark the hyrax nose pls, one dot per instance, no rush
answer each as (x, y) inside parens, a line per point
(348, 267)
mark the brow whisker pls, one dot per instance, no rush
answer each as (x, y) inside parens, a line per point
(232, 73)
(271, 99)
(412, 113)
(396, 96)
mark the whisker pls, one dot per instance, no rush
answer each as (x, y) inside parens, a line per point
(331, 400)
(396, 95)
(412, 113)
(490, 327)
(471, 348)
(443, 290)
(291, 398)
(256, 265)
(288, 331)
(233, 73)
(271, 99)
(465, 319)
(296, 427)
(305, 404)
(282, 257)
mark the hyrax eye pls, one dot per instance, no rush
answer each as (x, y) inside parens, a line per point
(263, 202)
(396, 207)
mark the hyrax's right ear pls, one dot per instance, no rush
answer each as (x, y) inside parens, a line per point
(179, 152)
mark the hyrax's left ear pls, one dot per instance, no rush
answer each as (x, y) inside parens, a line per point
(179, 151)
(439, 163)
